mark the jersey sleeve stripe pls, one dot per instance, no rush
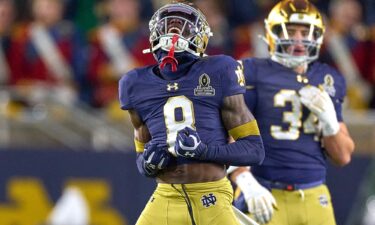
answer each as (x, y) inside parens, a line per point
(247, 129)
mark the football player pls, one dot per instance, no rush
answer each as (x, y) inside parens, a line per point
(297, 102)
(183, 109)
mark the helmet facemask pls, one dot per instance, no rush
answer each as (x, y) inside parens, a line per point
(182, 20)
(283, 21)
(293, 53)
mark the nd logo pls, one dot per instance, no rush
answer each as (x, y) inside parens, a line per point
(27, 202)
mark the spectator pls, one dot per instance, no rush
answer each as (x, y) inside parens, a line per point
(370, 7)
(7, 16)
(346, 46)
(115, 48)
(246, 22)
(215, 15)
(47, 54)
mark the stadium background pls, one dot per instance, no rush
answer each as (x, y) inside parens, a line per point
(49, 144)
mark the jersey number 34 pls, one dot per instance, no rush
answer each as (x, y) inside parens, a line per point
(293, 118)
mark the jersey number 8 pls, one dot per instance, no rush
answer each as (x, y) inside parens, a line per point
(172, 124)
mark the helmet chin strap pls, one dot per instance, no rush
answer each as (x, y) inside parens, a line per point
(288, 63)
(170, 59)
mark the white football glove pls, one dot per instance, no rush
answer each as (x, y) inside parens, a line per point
(319, 103)
(260, 201)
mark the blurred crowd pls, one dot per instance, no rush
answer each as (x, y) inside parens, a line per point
(74, 51)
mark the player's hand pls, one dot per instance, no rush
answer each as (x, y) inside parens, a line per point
(188, 144)
(259, 200)
(319, 103)
(156, 157)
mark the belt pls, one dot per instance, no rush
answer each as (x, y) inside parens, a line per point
(289, 187)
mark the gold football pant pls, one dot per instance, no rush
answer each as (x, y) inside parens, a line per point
(207, 203)
(310, 206)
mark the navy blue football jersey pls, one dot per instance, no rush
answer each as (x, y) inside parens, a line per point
(290, 132)
(194, 100)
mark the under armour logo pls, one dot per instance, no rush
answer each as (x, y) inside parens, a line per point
(172, 87)
(209, 200)
(188, 154)
(323, 200)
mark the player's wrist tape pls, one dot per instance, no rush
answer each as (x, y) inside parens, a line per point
(139, 146)
(330, 128)
(231, 169)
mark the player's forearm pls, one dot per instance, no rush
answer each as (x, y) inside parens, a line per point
(340, 146)
(245, 151)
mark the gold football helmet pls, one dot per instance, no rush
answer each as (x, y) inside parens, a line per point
(184, 20)
(297, 12)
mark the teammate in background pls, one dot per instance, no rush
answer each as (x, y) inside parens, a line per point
(297, 102)
(183, 108)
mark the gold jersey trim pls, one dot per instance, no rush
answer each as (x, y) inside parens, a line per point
(244, 130)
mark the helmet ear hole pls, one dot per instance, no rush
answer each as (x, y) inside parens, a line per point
(277, 30)
(317, 33)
